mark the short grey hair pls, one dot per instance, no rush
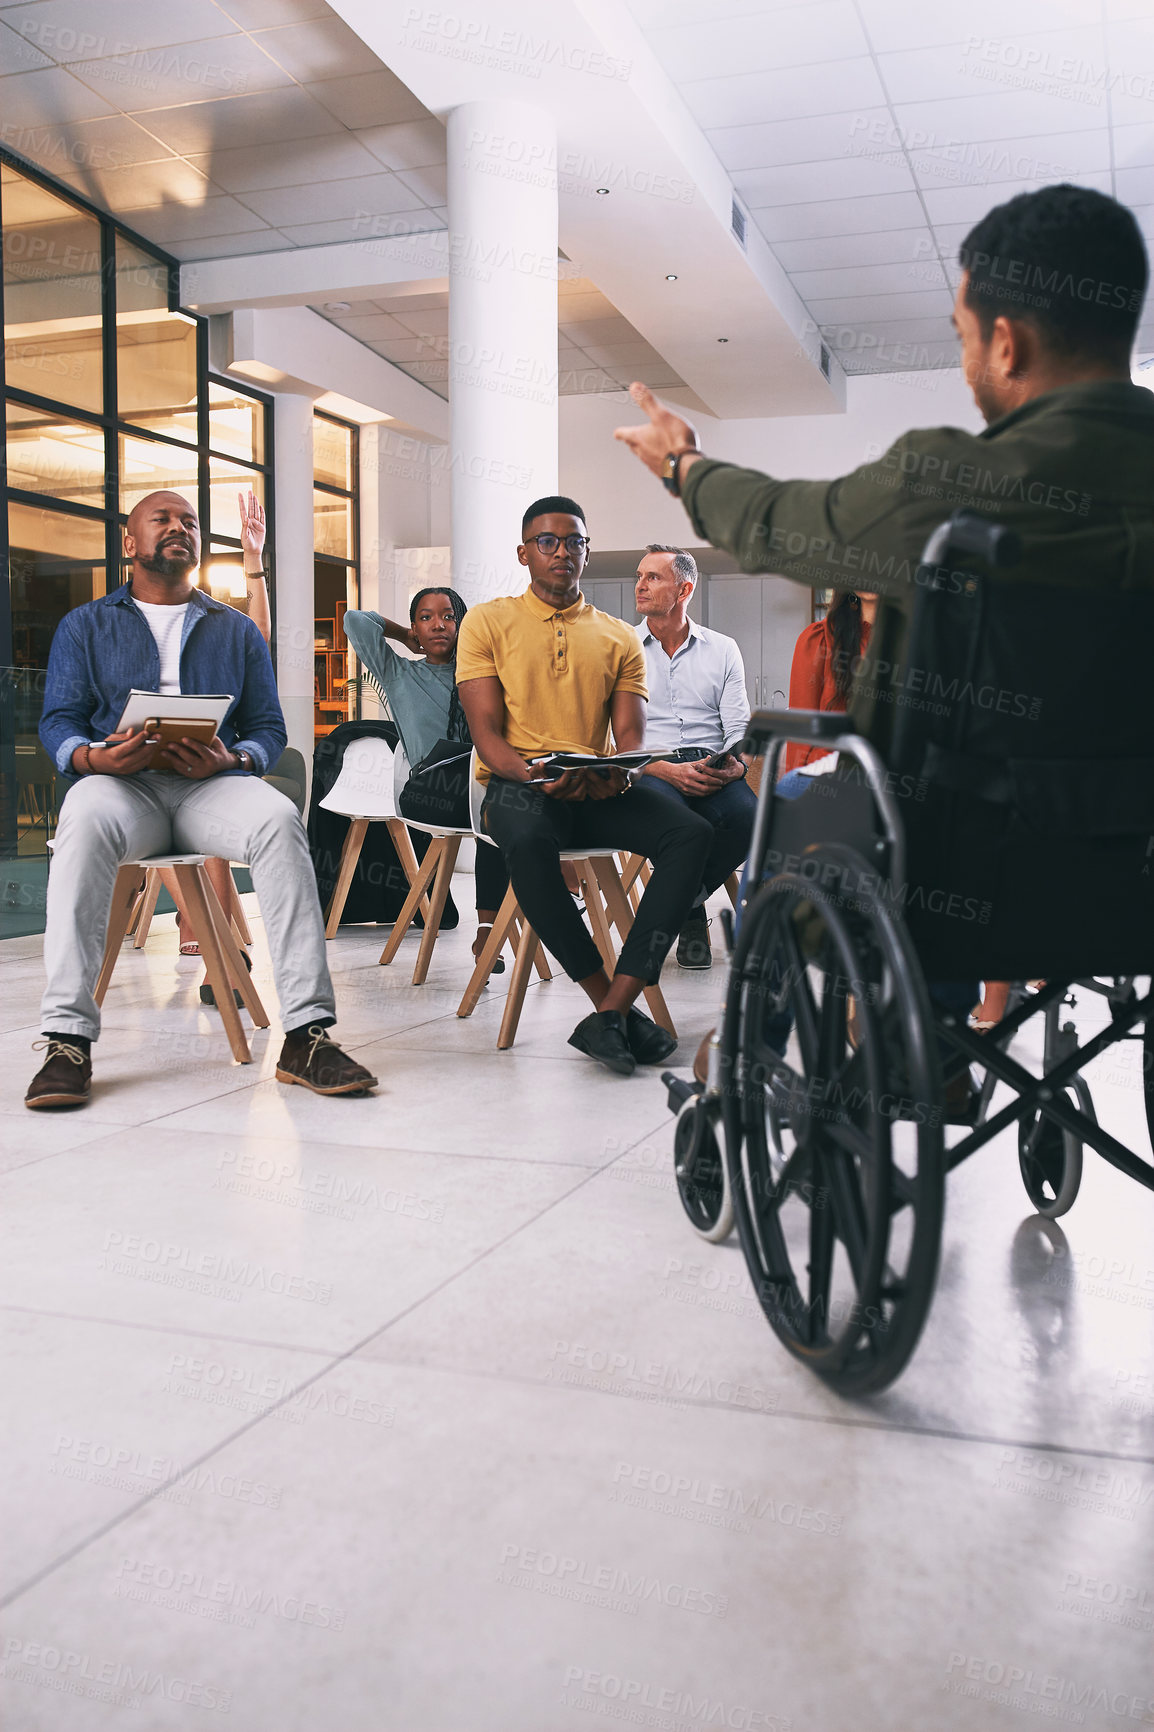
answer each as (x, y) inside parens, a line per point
(684, 565)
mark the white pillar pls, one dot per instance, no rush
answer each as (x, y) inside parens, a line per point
(293, 476)
(502, 334)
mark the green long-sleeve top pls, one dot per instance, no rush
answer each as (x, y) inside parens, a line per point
(1072, 472)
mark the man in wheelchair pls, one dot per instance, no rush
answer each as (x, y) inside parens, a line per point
(989, 814)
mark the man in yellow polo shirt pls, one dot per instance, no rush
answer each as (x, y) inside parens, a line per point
(545, 672)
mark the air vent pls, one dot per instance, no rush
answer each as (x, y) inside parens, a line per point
(737, 223)
(824, 361)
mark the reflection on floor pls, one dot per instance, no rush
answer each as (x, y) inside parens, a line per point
(427, 1412)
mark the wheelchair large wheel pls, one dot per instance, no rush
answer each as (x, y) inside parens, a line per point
(1050, 1158)
(834, 1150)
(699, 1168)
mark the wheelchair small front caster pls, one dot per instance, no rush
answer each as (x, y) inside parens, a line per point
(699, 1167)
(1050, 1158)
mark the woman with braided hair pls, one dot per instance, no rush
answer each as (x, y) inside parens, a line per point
(423, 701)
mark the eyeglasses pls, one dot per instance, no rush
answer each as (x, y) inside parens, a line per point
(547, 544)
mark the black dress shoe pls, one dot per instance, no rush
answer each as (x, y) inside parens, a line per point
(601, 1035)
(648, 1041)
(693, 947)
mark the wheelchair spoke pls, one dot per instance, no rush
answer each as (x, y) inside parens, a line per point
(848, 1207)
(821, 1245)
(804, 1009)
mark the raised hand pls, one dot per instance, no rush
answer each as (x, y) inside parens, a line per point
(252, 523)
(666, 431)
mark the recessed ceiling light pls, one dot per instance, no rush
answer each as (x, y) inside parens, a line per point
(723, 339)
(671, 276)
(602, 192)
(337, 306)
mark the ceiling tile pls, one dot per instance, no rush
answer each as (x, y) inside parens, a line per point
(353, 228)
(842, 177)
(658, 375)
(1045, 160)
(849, 334)
(186, 72)
(1131, 82)
(614, 330)
(894, 246)
(19, 54)
(897, 24)
(777, 142)
(48, 98)
(427, 184)
(380, 194)
(111, 142)
(369, 327)
(325, 47)
(840, 216)
(616, 355)
(138, 184)
(229, 246)
(584, 382)
(406, 350)
(752, 97)
(864, 309)
(1135, 186)
(423, 322)
(573, 308)
(84, 30)
(262, 14)
(236, 121)
(760, 42)
(292, 162)
(400, 304)
(1057, 62)
(968, 203)
(1134, 145)
(651, 14)
(1001, 114)
(216, 216)
(368, 99)
(893, 279)
(411, 144)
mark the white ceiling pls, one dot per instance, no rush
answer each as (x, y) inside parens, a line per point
(864, 136)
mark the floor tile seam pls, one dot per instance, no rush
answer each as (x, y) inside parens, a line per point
(207, 1455)
(181, 1329)
(840, 1421)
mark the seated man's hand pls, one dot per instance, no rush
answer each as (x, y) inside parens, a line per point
(692, 780)
(192, 758)
(569, 785)
(124, 755)
(605, 784)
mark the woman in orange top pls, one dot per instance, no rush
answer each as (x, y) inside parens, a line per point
(824, 659)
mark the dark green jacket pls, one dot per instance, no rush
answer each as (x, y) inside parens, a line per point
(1072, 472)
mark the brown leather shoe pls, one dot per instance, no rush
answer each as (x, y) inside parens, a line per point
(310, 1058)
(64, 1079)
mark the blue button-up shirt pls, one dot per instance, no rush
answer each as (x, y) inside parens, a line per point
(697, 696)
(104, 649)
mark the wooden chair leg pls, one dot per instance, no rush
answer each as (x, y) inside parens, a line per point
(238, 920)
(540, 960)
(350, 854)
(595, 909)
(145, 908)
(417, 894)
(518, 983)
(622, 916)
(192, 885)
(507, 917)
(234, 962)
(403, 843)
(451, 847)
(128, 886)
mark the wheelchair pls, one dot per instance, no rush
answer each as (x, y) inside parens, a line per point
(1002, 828)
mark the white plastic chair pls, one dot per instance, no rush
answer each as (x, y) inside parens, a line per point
(223, 962)
(605, 903)
(364, 792)
(428, 884)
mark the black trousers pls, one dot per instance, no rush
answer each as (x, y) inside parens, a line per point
(531, 829)
(440, 795)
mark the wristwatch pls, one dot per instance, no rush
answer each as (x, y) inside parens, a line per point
(243, 760)
(669, 469)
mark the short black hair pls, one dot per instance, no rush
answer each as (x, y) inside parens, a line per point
(1066, 259)
(556, 502)
(456, 602)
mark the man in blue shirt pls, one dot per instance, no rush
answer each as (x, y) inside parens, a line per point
(697, 706)
(159, 633)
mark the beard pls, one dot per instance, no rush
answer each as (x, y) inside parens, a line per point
(178, 561)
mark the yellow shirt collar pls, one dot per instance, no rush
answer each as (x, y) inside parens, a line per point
(544, 610)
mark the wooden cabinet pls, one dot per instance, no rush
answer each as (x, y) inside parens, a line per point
(330, 673)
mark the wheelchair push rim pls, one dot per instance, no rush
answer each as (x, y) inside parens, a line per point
(834, 1151)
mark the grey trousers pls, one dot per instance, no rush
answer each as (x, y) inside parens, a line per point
(106, 820)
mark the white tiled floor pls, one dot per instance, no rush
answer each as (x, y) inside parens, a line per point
(481, 1439)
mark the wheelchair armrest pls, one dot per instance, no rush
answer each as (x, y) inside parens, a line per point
(812, 727)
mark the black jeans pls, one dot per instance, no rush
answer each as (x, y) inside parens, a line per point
(730, 811)
(531, 829)
(441, 796)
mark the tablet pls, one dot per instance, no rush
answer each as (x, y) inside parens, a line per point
(201, 707)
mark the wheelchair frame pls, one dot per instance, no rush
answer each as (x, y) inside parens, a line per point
(721, 1176)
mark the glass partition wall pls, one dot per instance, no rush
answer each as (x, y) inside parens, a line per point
(107, 397)
(336, 576)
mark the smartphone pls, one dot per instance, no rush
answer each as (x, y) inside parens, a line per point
(718, 759)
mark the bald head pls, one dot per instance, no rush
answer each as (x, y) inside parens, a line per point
(162, 539)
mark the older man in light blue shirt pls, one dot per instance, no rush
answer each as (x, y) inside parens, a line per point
(698, 706)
